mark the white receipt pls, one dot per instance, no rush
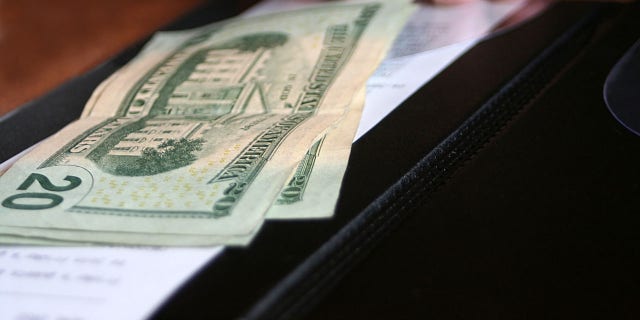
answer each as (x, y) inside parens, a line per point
(397, 79)
(41, 283)
(432, 39)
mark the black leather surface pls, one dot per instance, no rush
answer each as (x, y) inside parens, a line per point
(540, 223)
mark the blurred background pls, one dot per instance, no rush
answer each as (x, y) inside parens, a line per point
(45, 43)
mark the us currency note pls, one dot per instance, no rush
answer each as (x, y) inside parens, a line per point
(189, 138)
(311, 193)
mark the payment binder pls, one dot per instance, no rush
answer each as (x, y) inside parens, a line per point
(503, 188)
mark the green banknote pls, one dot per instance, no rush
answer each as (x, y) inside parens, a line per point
(191, 142)
(311, 193)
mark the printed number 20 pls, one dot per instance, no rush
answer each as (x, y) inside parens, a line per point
(46, 184)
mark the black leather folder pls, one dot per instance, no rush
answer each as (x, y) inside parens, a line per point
(503, 188)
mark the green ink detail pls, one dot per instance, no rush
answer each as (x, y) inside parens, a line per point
(247, 43)
(46, 183)
(173, 214)
(10, 201)
(59, 156)
(169, 155)
(256, 41)
(294, 190)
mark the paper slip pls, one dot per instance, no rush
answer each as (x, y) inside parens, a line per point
(41, 283)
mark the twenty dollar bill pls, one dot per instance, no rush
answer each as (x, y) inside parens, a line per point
(196, 136)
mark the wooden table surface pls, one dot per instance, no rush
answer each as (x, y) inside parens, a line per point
(45, 43)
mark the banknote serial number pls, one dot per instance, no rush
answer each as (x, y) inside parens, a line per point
(40, 200)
